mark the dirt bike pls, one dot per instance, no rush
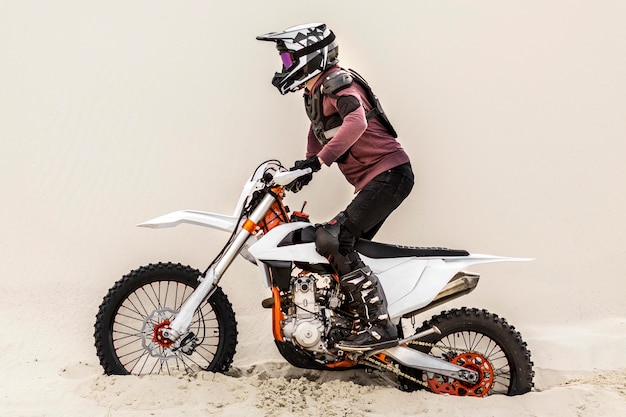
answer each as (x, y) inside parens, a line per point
(165, 317)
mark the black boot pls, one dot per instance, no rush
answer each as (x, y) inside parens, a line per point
(368, 299)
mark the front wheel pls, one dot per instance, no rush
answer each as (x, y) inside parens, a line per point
(480, 341)
(135, 312)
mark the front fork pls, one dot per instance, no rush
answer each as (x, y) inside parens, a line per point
(180, 325)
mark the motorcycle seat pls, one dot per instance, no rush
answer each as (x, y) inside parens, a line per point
(376, 250)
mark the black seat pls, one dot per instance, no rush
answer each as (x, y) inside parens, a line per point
(376, 250)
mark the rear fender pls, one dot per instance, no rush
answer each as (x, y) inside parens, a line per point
(410, 284)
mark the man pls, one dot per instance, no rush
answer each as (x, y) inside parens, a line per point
(349, 128)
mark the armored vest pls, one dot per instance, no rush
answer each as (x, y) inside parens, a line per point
(325, 127)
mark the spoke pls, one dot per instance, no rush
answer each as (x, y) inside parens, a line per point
(167, 292)
(502, 386)
(464, 336)
(503, 370)
(471, 338)
(505, 374)
(149, 298)
(480, 338)
(126, 334)
(119, 335)
(136, 360)
(145, 313)
(156, 296)
(126, 326)
(204, 347)
(501, 357)
(167, 366)
(135, 309)
(132, 352)
(187, 367)
(156, 362)
(182, 298)
(491, 348)
(178, 361)
(208, 361)
(205, 328)
(451, 341)
(145, 362)
(120, 347)
(141, 319)
(176, 296)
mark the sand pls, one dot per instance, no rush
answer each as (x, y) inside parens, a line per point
(51, 369)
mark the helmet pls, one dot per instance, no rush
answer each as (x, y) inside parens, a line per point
(306, 50)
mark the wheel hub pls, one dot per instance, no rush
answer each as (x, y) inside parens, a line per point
(153, 332)
(159, 337)
(475, 362)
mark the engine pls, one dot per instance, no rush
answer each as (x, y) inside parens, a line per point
(310, 317)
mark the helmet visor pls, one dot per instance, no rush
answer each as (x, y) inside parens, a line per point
(287, 59)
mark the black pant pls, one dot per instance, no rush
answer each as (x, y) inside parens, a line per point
(363, 218)
(375, 202)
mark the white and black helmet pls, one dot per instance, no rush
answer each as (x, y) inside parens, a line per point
(306, 50)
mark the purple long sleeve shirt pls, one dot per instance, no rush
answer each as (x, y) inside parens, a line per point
(371, 149)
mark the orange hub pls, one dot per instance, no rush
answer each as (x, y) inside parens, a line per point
(472, 361)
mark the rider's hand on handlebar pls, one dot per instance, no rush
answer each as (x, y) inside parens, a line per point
(313, 163)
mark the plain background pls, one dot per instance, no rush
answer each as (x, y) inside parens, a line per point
(115, 112)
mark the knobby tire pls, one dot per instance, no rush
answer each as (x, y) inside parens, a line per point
(148, 297)
(477, 330)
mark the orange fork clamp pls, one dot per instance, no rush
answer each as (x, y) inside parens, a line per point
(249, 226)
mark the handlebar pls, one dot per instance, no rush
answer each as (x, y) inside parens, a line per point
(286, 177)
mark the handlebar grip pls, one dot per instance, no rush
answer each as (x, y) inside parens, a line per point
(287, 177)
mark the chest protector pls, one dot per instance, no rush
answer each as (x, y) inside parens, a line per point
(325, 127)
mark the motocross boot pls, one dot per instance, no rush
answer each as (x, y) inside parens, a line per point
(377, 329)
(364, 295)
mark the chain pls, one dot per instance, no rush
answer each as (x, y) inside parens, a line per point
(442, 347)
(384, 366)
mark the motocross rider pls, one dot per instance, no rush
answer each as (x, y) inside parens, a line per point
(349, 128)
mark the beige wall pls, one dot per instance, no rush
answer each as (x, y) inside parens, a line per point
(514, 114)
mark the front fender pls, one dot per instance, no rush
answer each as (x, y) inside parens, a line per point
(198, 218)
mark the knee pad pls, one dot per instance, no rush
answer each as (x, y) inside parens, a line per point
(333, 237)
(336, 243)
(327, 238)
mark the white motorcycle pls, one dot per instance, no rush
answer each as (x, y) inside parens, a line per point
(164, 317)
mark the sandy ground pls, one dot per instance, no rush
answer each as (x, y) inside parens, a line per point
(580, 371)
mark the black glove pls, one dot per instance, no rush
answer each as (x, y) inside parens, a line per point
(313, 163)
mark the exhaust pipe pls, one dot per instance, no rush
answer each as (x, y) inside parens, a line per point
(462, 283)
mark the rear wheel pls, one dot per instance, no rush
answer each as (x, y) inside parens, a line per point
(140, 307)
(480, 341)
